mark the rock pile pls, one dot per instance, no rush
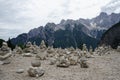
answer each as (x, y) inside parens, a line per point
(42, 53)
(17, 50)
(101, 50)
(83, 62)
(29, 48)
(5, 51)
(35, 69)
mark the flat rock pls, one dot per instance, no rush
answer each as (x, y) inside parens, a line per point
(27, 55)
(20, 71)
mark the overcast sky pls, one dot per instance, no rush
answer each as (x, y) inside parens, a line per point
(18, 16)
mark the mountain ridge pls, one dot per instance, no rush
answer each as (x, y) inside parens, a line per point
(112, 36)
(93, 28)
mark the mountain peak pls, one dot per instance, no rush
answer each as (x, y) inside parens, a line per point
(103, 14)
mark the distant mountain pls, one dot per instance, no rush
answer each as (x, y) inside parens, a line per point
(70, 32)
(101, 23)
(112, 36)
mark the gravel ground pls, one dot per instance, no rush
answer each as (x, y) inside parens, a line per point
(106, 67)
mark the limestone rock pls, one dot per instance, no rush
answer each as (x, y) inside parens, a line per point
(83, 62)
(35, 72)
(7, 61)
(36, 63)
(19, 71)
(27, 55)
(52, 61)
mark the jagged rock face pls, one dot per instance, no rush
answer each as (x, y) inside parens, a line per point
(112, 36)
(49, 33)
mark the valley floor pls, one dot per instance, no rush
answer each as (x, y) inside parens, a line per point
(106, 67)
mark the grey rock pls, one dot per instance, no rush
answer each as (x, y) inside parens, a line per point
(35, 72)
(83, 62)
(36, 63)
(19, 71)
(27, 55)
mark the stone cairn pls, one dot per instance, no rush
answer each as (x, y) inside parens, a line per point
(17, 50)
(5, 51)
(66, 57)
(30, 49)
(91, 50)
(102, 50)
(56, 56)
(35, 70)
(42, 52)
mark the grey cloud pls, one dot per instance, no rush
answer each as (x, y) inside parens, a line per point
(6, 33)
(111, 7)
(11, 19)
(10, 10)
(66, 7)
